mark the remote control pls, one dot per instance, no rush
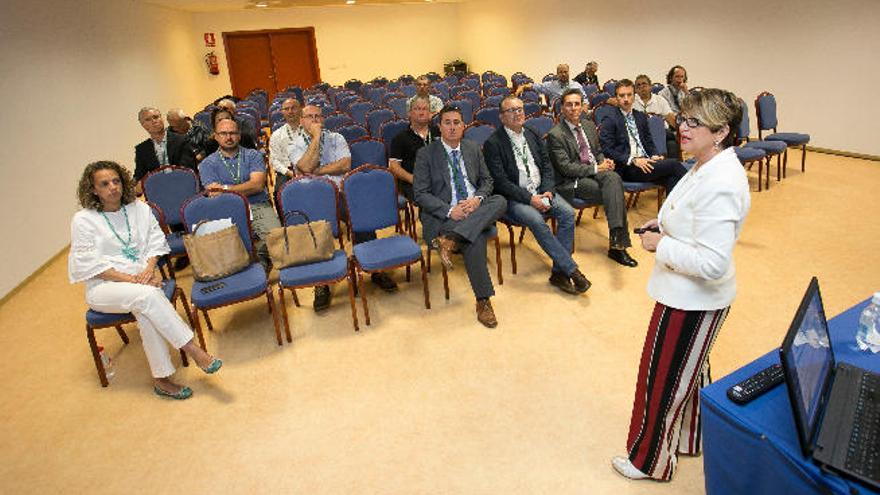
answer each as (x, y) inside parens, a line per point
(756, 384)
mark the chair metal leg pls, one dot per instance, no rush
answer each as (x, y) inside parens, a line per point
(284, 317)
(425, 288)
(498, 260)
(274, 314)
(99, 366)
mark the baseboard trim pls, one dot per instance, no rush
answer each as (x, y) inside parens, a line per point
(848, 154)
(9, 295)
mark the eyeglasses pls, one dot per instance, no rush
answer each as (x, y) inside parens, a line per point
(692, 122)
(514, 110)
(228, 133)
(316, 116)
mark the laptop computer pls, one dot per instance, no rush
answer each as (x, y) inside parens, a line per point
(836, 405)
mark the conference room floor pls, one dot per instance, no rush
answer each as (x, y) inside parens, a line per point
(421, 401)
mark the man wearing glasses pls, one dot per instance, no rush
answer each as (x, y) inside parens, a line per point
(582, 171)
(317, 151)
(241, 170)
(453, 189)
(521, 169)
(626, 139)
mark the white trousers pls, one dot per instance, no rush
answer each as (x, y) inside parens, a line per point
(159, 322)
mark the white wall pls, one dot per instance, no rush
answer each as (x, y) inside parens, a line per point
(74, 76)
(819, 58)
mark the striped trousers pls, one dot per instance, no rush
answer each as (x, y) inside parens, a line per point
(666, 410)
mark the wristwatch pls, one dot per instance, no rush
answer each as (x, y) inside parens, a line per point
(225, 187)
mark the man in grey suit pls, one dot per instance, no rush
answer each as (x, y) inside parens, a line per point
(453, 189)
(582, 171)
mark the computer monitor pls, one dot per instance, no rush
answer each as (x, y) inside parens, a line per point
(808, 362)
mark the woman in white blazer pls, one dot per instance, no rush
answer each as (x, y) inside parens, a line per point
(693, 283)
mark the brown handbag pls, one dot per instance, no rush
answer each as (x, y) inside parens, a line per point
(216, 255)
(301, 244)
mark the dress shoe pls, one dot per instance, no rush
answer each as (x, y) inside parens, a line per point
(212, 368)
(445, 248)
(384, 282)
(485, 314)
(181, 263)
(623, 466)
(580, 282)
(563, 282)
(183, 393)
(322, 297)
(622, 257)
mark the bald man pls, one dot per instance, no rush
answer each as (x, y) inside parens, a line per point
(160, 149)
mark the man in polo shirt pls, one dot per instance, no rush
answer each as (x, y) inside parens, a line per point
(405, 145)
(423, 89)
(520, 167)
(650, 104)
(554, 88)
(238, 169)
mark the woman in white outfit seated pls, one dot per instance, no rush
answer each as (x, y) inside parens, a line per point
(115, 244)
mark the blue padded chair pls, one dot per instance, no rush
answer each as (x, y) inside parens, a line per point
(168, 188)
(549, 77)
(634, 189)
(770, 148)
(175, 244)
(657, 87)
(765, 110)
(96, 320)
(455, 90)
(598, 98)
(399, 105)
(409, 90)
(492, 101)
(368, 151)
(610, 86)
(489, 115)
(603, 111)
(375, 95)
(371, 196)
(581, 205)
(391, 129)
(511, 224)
(473, 96)
(337, 120)
(747, 156)
(492, 236)
(392, 95)
(657, 128)
(530, 95)
(540, 124)
(532, 109)
(344, 103)
(466, 107)
(204, 117)
(317, 197)
(478, 131)
(376, 118)
(473, 83)
(353, 84)
(590, 90)
(498, 91)
(277, 125)
(247, 284)
(358, 111)
(442, 90)
(353, 132)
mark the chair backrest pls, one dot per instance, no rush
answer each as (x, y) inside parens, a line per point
(479, 132)
(490, 115)
(473, 96)
(442, 89)
(549, 77)
(358, 111)
(657, 87)
(541, 124)
(454, 90)
(399, 106)
(498, 91)
(376, 94)
(597, 98)
(169, 187)
(610, 86)
(204, 117)
(590, 89)
(353, 84)
(765, 111)
(368, 151)
(492, 101)
(602, 112)
(473, 83)
(532, 108)
(276, 125)
(391, 95)
(466, 107)
(658, 133)
(391, 129)
(409, 90)
(352, 132)
(159, 216)
(744, 129)
(225, 204)
(371, 195)
(376, 118)
(337, 120)
(530, 95)
(317, 197)
(344, 102)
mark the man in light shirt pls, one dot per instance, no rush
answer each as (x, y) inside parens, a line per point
(676, 87)
(646, 102)
(423, 89)
(281, 143)
(554, 88)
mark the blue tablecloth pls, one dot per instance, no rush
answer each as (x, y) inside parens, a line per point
(753, 449)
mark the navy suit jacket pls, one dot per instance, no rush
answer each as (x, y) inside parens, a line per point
(501, 160)
(615, 140)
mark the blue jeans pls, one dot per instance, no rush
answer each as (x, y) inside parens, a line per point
(558, 247)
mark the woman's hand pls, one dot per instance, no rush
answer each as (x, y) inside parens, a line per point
(156, 280)
(650, 239)
(145, 277)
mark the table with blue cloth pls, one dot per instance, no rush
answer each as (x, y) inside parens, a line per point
(753, 449)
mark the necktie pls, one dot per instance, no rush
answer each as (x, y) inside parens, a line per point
(634, 132)
(457, 179)
(583, 146)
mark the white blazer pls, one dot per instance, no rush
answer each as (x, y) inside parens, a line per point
(701, 221)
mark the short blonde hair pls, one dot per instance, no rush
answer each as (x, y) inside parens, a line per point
(715, 108)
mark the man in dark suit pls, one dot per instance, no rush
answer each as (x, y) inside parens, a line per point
(519, 165)
(453, 189)
(160, 149)
(582, 171)
(626, 139)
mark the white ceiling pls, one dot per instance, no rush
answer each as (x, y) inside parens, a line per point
(231, 5)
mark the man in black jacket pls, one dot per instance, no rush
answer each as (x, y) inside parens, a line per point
(521, 169)
(160, 149)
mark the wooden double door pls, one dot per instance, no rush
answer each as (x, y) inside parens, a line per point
(271, 59)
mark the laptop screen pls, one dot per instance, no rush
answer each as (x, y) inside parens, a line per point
(808, 361)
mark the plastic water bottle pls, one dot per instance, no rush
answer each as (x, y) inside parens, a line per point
(868, 335)
(109, 370)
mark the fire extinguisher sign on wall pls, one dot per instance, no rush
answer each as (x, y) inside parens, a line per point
(210, 40)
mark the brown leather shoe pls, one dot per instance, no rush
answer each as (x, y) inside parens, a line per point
(445, 248)
(580, 282)
(485, 314)
(562, 282)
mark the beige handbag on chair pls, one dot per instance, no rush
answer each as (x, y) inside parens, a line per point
(216, 255)
(301, 244)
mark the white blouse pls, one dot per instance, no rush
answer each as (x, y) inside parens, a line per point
(94, 248)
(701, 219)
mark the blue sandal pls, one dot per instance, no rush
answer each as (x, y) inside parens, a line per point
(182, 394)
(213, 367)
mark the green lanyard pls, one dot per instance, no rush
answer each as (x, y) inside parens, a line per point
(523, 158)
(127, 249)
(236, 174)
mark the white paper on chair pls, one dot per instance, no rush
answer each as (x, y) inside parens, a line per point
(212, 226)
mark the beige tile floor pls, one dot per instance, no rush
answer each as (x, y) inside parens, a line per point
(422, 401)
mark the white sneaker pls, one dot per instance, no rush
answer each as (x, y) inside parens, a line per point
(623, 466)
